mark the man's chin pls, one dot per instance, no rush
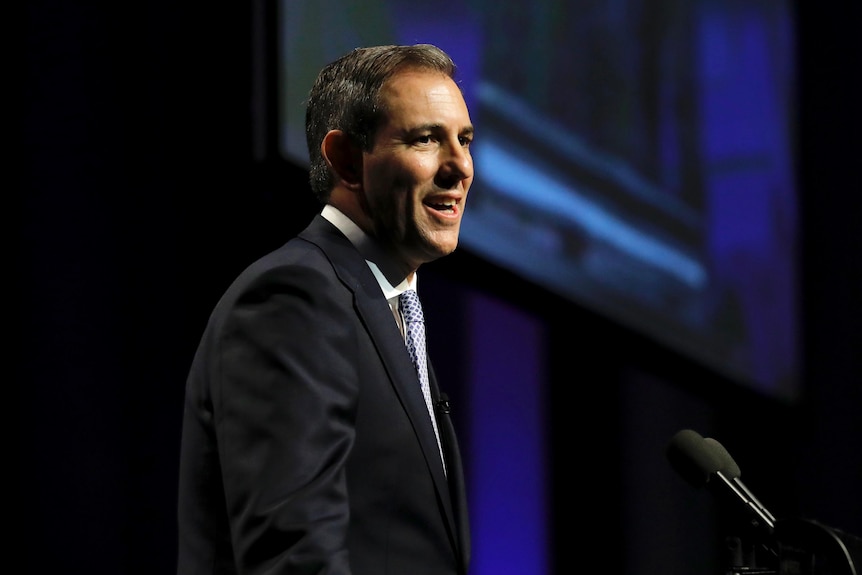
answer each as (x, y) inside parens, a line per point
(441, 252)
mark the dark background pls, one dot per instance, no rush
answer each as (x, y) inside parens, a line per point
(138, 195)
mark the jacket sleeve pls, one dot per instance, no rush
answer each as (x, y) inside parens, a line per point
(281, 365)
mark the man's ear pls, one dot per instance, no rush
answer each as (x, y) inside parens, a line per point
(343, 156)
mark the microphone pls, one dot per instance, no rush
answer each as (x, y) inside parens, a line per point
(731, 469)
(690, 459)
(796, 546)
(443, 404)
(706, 462)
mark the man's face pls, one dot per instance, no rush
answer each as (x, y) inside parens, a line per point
(417, 174)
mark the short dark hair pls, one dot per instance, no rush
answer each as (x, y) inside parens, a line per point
(346, 97)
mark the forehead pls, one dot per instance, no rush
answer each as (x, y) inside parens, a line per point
(423, 93)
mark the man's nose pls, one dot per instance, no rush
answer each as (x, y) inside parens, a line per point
(459, 162)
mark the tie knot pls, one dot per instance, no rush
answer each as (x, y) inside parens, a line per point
(410, 306)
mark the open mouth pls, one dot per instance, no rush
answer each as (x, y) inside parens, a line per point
(447, 206)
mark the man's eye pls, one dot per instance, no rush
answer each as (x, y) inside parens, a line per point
(465, 141)
(424, 139)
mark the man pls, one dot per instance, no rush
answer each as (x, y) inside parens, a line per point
(307, 444)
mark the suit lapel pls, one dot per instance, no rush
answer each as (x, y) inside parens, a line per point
(376, 314)
(454, 465)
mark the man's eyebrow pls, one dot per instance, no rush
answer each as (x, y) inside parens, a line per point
(429, 127)
(433, 127)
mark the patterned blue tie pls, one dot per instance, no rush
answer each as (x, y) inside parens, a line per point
(414, 329)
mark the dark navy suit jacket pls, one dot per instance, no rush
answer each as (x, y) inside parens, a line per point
(307, 447)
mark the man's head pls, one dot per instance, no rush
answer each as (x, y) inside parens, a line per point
(346, 97)
(388, 134)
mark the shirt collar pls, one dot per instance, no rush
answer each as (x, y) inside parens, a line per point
(391, 281)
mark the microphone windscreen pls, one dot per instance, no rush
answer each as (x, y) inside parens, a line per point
(691, 458)
(728, 465)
